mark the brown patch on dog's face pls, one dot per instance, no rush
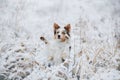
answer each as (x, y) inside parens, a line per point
(61, 34)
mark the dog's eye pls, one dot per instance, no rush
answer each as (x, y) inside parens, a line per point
(57, 32)
(63, 32)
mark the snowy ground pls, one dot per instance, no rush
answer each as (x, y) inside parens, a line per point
(95, 39)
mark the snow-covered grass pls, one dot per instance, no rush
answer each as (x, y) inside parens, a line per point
(95, 39)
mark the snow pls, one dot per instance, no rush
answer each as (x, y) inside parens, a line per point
(95, 39)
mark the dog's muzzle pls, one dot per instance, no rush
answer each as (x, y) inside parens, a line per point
(58, 36)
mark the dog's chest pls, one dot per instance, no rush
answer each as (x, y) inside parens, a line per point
(57, 47)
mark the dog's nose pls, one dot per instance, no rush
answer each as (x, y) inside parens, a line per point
(59, 36)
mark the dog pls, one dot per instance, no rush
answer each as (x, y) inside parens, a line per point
(58, 50)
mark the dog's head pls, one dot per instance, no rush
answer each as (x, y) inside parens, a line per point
(62, 33)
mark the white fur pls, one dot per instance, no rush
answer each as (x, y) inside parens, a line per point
(57, 50)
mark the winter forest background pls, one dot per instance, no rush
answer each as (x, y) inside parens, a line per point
(95, 39)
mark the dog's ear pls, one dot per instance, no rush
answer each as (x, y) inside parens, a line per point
(67, 27)
(56, 26)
